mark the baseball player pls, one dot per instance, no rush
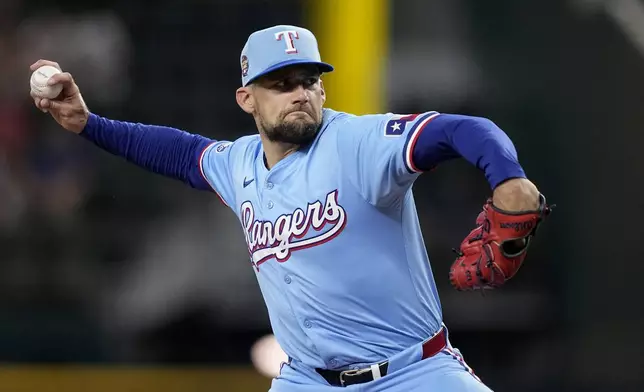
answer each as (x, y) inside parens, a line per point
(326, 205)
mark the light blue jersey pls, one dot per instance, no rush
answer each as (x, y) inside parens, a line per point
(334, 238)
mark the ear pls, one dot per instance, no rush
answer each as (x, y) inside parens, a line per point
(323, 92)
(245, 99)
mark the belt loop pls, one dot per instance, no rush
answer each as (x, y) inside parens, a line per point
(375, 371)
(447, 342)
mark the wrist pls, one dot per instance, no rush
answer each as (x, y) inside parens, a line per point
(516, 194)
(91, 122)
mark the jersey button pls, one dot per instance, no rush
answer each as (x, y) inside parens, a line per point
(307, 324)
(270, 205)
(287, 279)
(333, 362)
(269, 185)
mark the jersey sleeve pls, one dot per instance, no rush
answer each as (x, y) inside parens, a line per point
(215, 167)
(376, 153)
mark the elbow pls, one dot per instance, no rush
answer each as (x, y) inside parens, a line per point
(486, 132)
(455, 124)
(480, 123)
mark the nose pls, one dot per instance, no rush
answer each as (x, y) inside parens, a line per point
(300, 95)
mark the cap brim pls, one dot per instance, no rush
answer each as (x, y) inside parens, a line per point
(324, 67)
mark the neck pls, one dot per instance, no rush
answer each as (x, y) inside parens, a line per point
(276, 151)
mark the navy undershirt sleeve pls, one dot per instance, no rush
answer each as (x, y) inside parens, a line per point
(162, 150)
(476, 139)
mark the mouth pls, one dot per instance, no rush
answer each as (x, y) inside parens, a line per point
(299, 113)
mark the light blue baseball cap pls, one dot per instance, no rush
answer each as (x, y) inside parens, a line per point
(277, 47)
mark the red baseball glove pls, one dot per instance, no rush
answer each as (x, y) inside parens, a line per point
(493, 252)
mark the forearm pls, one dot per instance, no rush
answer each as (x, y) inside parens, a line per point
(475, 139)
(162, 150)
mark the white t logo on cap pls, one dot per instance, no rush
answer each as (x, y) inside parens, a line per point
(288, 36)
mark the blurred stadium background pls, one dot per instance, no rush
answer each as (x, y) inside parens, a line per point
(115, 279)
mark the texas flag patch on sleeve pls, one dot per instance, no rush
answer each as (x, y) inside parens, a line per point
(396, 125)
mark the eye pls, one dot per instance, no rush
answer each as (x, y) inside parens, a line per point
(311, 81)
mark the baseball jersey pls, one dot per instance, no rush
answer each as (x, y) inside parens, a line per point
(333, 237)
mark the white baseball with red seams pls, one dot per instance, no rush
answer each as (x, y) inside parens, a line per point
(38, 82)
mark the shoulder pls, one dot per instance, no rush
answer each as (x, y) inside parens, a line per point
(245, 145)
(248, 144)
(230, 156)
(335, 118)
(352, 123)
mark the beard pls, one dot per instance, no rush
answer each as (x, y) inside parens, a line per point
(298, 132)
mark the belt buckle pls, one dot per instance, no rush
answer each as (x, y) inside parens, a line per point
(351, 372)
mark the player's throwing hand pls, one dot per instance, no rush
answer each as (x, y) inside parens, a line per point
(68, 109)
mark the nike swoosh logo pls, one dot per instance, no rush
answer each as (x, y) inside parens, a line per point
(247, 182)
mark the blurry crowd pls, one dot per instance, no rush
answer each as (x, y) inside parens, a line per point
(53, 249)
(45, 176)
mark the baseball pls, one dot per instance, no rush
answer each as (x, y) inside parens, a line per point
(39, 80)
(267, 356)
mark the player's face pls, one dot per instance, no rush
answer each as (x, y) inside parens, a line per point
(288, 104)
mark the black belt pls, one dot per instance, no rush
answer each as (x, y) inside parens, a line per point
(343, 378)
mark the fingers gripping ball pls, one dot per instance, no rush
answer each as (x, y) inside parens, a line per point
(495, 250)
(39, 79)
